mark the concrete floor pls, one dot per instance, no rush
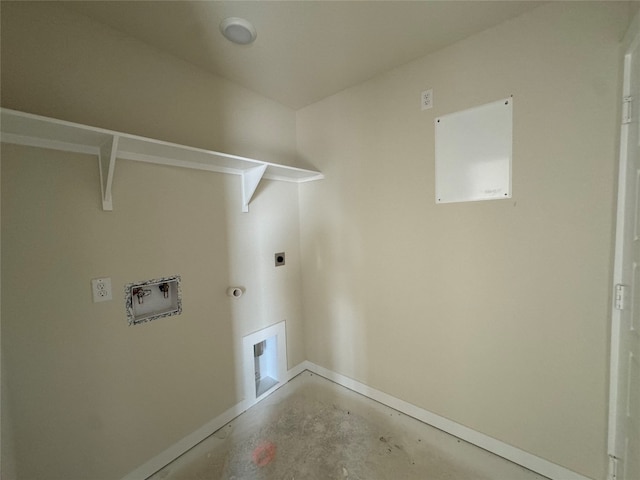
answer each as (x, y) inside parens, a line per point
(313, 429)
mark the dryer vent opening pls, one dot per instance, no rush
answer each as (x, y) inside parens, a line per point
(265, 361)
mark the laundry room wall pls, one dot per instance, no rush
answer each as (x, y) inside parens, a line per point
(493, 314)
(89, 395)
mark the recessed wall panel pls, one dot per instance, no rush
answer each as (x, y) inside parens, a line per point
(474, 152)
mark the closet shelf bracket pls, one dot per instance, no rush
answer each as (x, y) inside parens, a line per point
(107, 165)
(250, 181)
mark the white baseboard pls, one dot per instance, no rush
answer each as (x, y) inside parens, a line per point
(297, 370)
(170, 454)
(147, 469)
(525, 459)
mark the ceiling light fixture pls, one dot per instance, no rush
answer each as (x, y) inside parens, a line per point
(238, 30)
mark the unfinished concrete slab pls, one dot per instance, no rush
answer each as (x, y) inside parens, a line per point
(314, 429)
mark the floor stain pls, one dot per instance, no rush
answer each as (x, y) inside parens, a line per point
(264, 454)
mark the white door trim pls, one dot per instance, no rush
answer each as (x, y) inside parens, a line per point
(629, 42)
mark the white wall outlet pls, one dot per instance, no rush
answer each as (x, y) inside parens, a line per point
(101, 288)
(426, 99)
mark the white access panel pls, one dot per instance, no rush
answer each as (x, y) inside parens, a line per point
(473, 153)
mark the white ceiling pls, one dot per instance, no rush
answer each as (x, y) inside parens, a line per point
(305, 50)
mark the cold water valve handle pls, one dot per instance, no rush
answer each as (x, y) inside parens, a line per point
(164, 288)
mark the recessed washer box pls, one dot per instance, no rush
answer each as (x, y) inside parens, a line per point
(152, 299)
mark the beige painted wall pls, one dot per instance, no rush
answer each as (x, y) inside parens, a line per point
(58, 63)
(7, 452)
(494, 314)
(90, 396)
(8, 458)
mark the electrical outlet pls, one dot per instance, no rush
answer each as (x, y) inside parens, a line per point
(426, 99)
(101, 288)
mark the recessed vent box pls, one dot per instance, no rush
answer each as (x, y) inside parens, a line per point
(265, 362)
(152, 299)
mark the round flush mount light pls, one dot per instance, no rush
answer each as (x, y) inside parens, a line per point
(238, 30)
